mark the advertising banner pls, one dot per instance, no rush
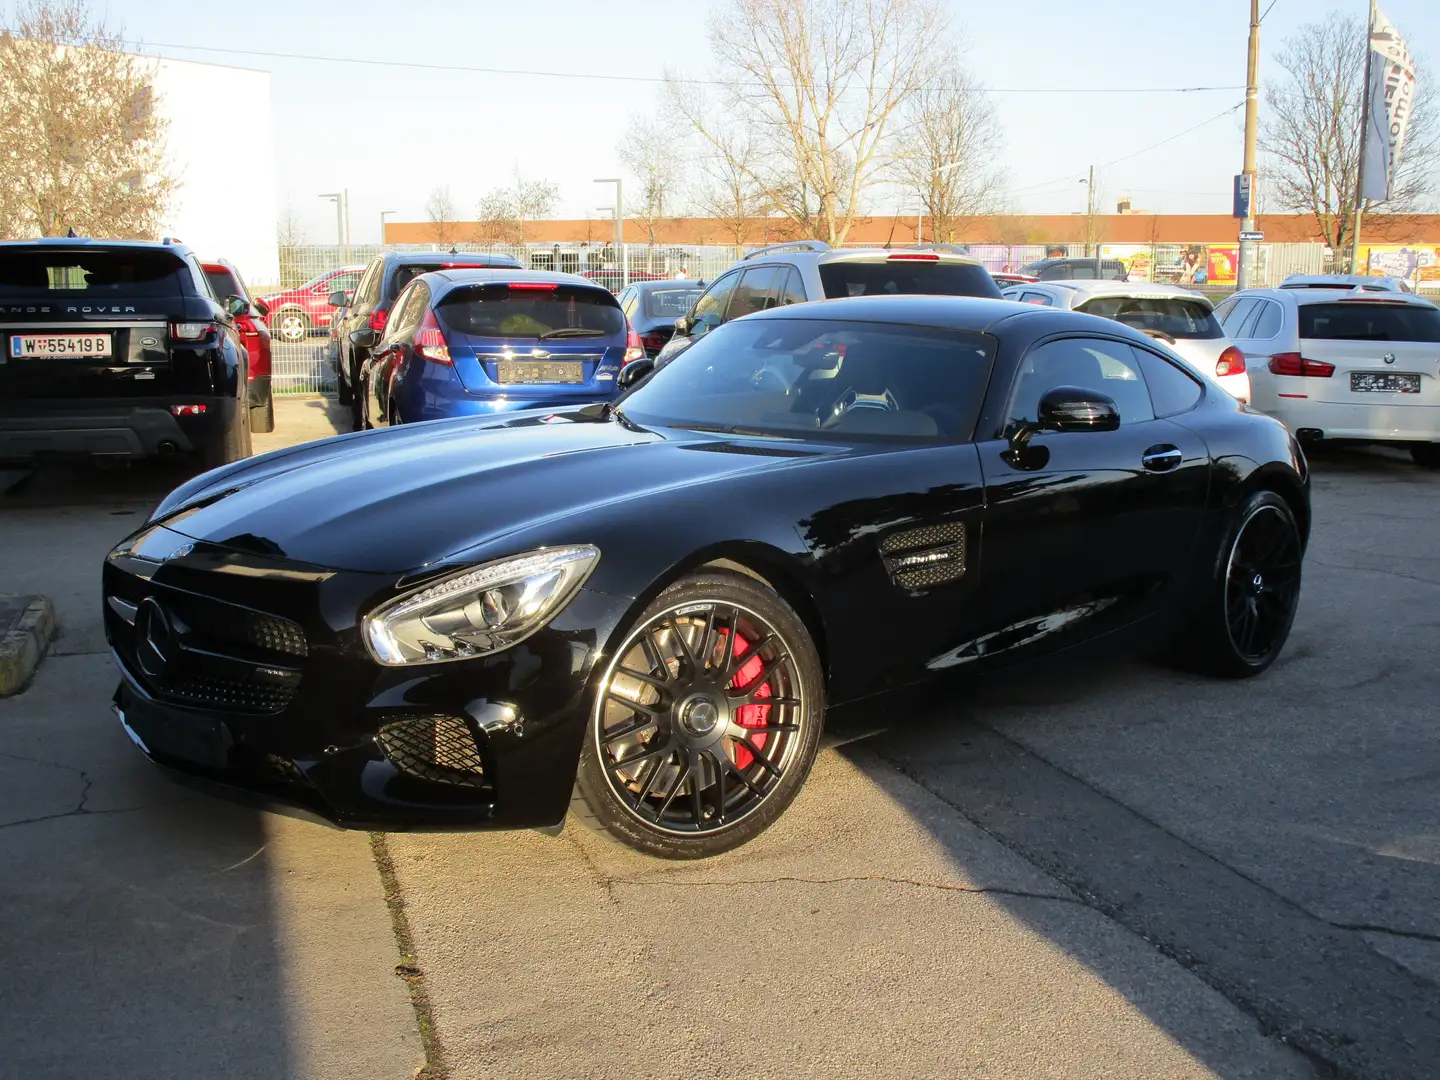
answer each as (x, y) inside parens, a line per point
(1414, 262)
(1196, 264)
(1391, 96)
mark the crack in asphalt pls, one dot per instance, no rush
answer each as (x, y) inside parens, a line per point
(80, 809)
(1372, 570)
(941, 886)
(1368, 928)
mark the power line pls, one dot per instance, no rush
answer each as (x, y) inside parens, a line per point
(654, 79)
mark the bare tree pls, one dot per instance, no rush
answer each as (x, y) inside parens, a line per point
(1310, 130)
(503, 212)
(82, 144)
(440, 210)
(647, 151)
(947, 154)
(289, 237)
(818, 84)
(730, 196)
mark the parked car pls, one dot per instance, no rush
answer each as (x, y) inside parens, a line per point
(653, 306)
(616, 279)
(1067, 269)
(444, 625)
(1347, 281)
(1182, 319)
(1349, 365)
(117, 349)
(476, 342)
(805, 270)
(225, 282)
(297, 313)
(382, 281)
(1004, 279)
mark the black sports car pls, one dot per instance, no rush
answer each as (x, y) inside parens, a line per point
(445, 624)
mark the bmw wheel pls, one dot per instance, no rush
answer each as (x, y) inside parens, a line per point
(1246, 617)
(706, 720)
(292, 326)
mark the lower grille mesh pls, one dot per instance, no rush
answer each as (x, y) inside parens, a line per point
(438, 748)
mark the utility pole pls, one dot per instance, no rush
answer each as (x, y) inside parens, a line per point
(1090, 219)
(339, 197)
(1246, 270)
(346, 193)
(383, 215)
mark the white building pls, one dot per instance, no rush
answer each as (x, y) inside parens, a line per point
(222, 154)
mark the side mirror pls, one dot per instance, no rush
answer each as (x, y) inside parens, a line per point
(364, 338)
(682, 326)
(262, 308)
(339, 299)
(1072, 408)
(634, 372)
(236, 305)
(707, 322)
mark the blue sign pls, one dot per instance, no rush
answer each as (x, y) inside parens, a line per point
(1251, 237)
(1244, 188)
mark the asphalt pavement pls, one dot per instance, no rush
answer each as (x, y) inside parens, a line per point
(1129, 873)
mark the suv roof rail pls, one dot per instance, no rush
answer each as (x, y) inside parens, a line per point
(171, 240)
(790, 245)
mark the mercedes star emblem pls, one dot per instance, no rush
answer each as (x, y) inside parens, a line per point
(154, 639)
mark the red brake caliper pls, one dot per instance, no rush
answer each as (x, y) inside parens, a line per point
(750, 716)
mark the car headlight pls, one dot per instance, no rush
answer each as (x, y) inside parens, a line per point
(478, 611)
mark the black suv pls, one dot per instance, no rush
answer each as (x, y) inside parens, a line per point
(118, 349)
(385, 277)
(1071, 269)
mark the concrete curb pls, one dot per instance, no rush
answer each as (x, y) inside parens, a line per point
(26, 638)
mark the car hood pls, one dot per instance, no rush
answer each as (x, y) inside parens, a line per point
(399, 500)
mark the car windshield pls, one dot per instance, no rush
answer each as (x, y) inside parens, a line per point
(799, 378)
(1351, 321)
(410, 271)
(670, 303)
(1176, 317)
(531, 310)
(223, 284)
(38, 273)
(851, 277)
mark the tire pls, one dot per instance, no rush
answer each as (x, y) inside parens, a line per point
(233, 446)
(696, 787)
(357, 407)
(344, 389)
(1426, 455)
(262, 417)
(1249, 603)
(292, 326)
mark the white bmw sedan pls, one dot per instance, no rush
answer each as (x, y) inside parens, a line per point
(1356, 365)
(1179, 318)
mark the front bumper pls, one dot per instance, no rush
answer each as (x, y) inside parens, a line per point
(109, 429)
(267, 692)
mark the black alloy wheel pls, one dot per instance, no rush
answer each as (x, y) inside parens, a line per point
(1250, 611)
(706, 720)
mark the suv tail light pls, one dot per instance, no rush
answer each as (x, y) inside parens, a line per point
(191, 331)
(378, 318)
(1231, 362)
(429, 341)
(652, 342)
(913, 256)
(634, 350)
(1292, 363)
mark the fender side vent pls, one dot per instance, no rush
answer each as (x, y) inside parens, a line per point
(919, 559)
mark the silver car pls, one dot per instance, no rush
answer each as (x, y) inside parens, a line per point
(1180, 318)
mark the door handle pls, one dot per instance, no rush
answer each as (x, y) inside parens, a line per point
(1162, 458)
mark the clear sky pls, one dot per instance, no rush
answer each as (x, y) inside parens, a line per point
(391, 135)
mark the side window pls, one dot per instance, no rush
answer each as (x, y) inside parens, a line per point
(1235, 318)
(367, 293)
(1268, 321)
(1107, 367)
(627, 303)
(1172, 391)
(1059, 272)
(1222, 310)
(712, 304)
(1036, 298)
(340, 283)
(202, 283)
(756, 290)
(793, 292)
(409, 309)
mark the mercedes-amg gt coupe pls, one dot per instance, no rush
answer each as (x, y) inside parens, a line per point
(653, 600)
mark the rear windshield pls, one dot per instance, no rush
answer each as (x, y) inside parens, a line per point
(670, 303)
(40, 273)
(505, 311)
(849, 278)
(1352, 321)
(1178, 318)
(410, 271)
(223, 284)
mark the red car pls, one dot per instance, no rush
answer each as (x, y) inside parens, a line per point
(225, 280)
(297, 313)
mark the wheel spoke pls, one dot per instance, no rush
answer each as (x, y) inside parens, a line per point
(727, 656)
(760, 758)
(645, 754)
(706, 649)
(766, 729)
(609, 735)
(687, 655)
(697, 802)
(650, 779)
(735, 771)
(680, 777)
(720, 771)
(648, 679)
(653, 654)
(740, 661)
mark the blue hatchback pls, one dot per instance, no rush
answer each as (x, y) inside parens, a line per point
(476, 342)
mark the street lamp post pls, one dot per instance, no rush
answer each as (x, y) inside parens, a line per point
(339, 198)
(619, 225)
(383, 215)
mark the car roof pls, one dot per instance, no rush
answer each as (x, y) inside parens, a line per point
(804, 252)
(445, 280)
(1385, 283)
(166, 244)
(1330, 296)
(666, 283)
(974, 313)
(406, 258)
(1139, 290)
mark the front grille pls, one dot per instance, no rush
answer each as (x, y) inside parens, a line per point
(240, 694)
(923, 558)
(439, 748)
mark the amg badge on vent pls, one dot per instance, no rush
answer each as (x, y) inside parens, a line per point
(919, 559)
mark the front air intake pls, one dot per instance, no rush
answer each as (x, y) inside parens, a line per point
(439, 748)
